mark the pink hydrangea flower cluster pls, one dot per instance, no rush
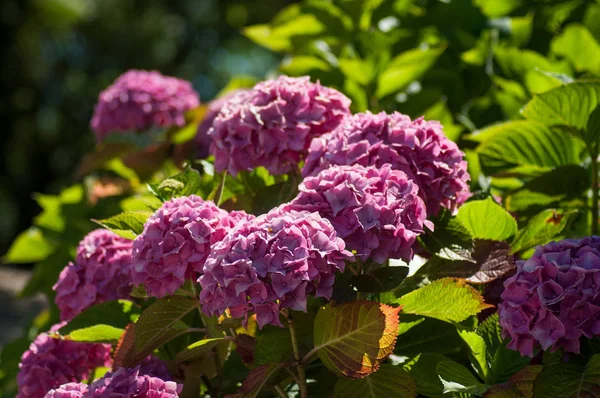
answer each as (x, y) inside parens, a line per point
(130, 383)
(272, 263)
(176, 240)
(139, 100)
(377, 211)
(101, 273)
(272, 124)
(554, 298)
(69, 390)
(50, 363)
(417, 147)
(202, 139)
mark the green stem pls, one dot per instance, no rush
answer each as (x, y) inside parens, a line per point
(219, 194)
(280, 392)
(295, 346)
(594, 193)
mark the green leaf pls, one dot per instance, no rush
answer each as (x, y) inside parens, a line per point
(353, 338)
(273, 345)
(116, 314)
(449, 239)
(185, 183)
(526, 145)
(541, 229)
(457, 379)
(447, 299)
(569, 105)
(538, 82)
(423, 370)
(427, 335)
(389, 381)
(379, 280)
(279, 37)
(127, 225)
(577, 44)
(478, 352)
(440, 111)
(497, 8)
(97, 334)
(161, 322)
(569, 380)
(406, 68)
(485, 219)
(358, 70)
(520, 384)
(301, 65)
(29, 247)
(255, 380)
(515, 63)
(199, 349)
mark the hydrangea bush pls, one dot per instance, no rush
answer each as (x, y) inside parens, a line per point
(318, 246)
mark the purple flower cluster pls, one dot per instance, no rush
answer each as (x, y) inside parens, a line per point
(101, 273)
(139, 100)
(69, 390)
(273, 124)
(202, 139)
(417, 147)
(175, 242)
(50, 363)
(130, 383)
(554, 298)
(272, 263)
(377, 211)
(155, 367)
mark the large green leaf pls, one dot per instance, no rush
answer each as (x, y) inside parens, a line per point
(389, 381)
(447, 299)
(527, 146)
(577, 44)
(161, 322)
(569, 105)
(426, 335)
(128, 224)
(406, 68)
(199, 349)
(379, 280)
(520, 384)
(30, 246)
(485, 219)
(569, 380)
(256, 380)
(102, 322)
(273, 345)
(515, 63)
(353, 338)
(423, 370)
(458, 379)
(541, 229)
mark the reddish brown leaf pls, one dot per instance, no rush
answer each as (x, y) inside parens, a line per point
(520, 385)
(255, 381)
(245, 346)
(125, 351)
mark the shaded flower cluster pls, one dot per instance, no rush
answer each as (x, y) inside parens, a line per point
(139, 100)
(272, 125)
(176, 240)
(69, 390)
(202, 139)
(554, 298)
(272, 263)
(101, 273)
(155, 367)
(129, 383)
(50, 363)
(377, 211)
(417, 147)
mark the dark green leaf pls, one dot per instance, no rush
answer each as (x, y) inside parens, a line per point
(458, 379)
(199, 349)
(423, 370)
(380, 280)
(569, 380)
(429, 335)
(520, 384)
(388, 382)
(273, 345)
(255, 380)
(111, 317)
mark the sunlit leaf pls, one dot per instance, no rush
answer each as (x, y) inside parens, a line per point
(30, 246)
(127, 225)
(577, 44)
(541, 229)
(199, 349)
(485, 219)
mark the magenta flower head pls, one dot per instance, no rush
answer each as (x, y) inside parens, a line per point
(69, 390)
(554, 298)
(272, 124)
(417, 147)
(101, 273)
(272, 263)
(140, 100)
(202, 139)
(377, 211)
(130, 383)
(50, 363)
(175, 242)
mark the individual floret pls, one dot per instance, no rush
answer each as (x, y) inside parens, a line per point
(272, 124)
(377, 211)
(130, 383)
(554, 298)
(140, 100)
(69, 390)
(52, 362)
(417, 147)
(175, 242)
(101, 273)
(272, 263)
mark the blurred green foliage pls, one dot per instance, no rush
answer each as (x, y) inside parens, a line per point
(57, 55)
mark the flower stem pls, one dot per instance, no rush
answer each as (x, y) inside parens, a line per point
(219, 194)
(280, 392)
(301, 373)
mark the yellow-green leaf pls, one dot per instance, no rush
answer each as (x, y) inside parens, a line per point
(353, 338)
(447, 299)
(485, 219)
